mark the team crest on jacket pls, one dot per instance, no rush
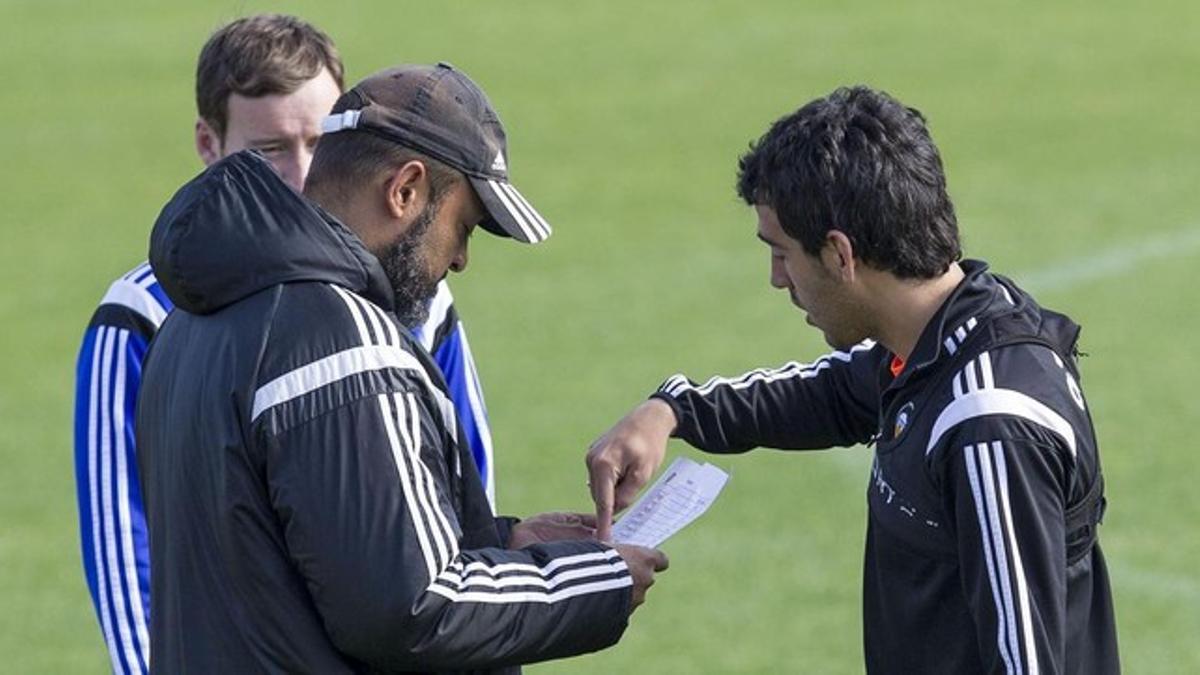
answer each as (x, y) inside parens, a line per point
(902, 419)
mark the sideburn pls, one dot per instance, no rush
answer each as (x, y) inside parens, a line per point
(407, 269)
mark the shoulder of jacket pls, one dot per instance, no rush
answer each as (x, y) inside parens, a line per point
(329, 343)
(132, 292)
(1007, 388)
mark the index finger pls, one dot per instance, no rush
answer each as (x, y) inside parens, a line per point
(601, 484)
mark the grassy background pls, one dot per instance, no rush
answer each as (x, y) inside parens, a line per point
(1070, 138)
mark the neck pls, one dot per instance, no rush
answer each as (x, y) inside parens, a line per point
(343, 209)
(905, 306)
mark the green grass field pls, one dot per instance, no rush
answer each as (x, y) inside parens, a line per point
(1071, 139)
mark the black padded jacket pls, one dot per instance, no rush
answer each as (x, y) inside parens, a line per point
(309, 506)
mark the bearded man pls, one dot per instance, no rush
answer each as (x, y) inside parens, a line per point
(311, 506)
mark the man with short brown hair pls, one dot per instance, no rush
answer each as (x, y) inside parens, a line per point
(274, 76)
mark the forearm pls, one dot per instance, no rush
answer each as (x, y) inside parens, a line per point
(493, 607)
(793, 407)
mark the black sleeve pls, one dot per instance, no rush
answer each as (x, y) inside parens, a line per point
(361, 495)
(1002, 480)
(831, 402)
(1007, 454)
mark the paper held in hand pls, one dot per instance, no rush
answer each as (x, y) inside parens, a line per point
(683, 492)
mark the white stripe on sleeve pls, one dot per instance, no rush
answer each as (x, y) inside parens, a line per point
(1026, 620)
(391, 424)
(330, 369)
(479, 575)
(595, 557)
(124, 632)
(969, 375)
(358, 307)
(124, 520)
(95, 412)
(989, 553)
(790, 370)
(996, 530)
(985, 369)
(355, 312)
(427, 494)
(532, 596)
(1000, 402)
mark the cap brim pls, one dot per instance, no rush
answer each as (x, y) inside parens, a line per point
(509, 213)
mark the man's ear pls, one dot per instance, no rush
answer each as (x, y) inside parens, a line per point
(407, 190)
(208, 142)
(838, 255)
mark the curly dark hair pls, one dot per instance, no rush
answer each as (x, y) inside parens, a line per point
(860, 162)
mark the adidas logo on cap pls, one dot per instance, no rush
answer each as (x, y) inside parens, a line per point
(499, 164)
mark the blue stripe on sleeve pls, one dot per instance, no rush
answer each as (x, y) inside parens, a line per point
(83, 401)
(156, 290)
(454, 361)
(137, 511)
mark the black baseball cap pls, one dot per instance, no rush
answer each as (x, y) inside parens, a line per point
(438, 111)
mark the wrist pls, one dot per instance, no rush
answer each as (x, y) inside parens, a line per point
(660, 414)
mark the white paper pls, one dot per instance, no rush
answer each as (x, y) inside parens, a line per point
(683, 492)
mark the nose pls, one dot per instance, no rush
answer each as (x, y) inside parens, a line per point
(293, 167)
(779, 278)
(459, 263)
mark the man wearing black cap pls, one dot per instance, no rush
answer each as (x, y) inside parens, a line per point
(309, 504)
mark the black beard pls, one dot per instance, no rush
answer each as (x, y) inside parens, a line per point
(406, 268)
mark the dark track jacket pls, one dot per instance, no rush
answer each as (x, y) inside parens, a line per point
(310, 508)
(985, 490)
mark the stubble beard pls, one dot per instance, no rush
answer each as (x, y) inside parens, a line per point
(406, 267)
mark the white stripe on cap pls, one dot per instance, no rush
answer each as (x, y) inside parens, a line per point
(535, 218)
(338, 121)
(530, 236)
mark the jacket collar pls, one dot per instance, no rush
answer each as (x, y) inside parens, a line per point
(978, 297)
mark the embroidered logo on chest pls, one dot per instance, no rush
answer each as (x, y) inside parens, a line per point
(903, 419)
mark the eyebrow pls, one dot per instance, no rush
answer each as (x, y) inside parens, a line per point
(768, 242)
(269, 140)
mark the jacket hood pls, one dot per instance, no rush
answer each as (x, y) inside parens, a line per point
(237, 229)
